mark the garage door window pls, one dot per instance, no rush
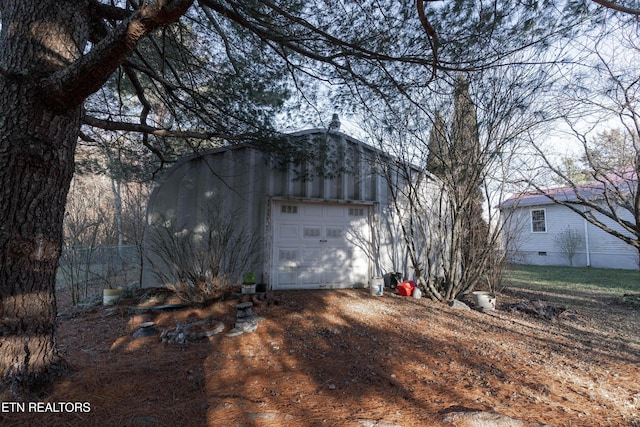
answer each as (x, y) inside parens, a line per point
(288, 254)
(334, 233)
(311, 232)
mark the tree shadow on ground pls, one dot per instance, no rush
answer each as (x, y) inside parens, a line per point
(340, 368)
(336, 358)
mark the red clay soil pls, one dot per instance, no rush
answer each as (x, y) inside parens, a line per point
(345, 358)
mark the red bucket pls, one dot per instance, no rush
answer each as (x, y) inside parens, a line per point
(406, 288)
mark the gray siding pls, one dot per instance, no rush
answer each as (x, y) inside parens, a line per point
(600, 249)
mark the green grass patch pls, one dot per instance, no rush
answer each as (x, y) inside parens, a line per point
(573, 279)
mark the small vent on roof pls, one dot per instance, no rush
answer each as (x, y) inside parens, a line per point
(335, 123)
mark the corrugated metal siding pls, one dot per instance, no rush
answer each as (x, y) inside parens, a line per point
(351, 177)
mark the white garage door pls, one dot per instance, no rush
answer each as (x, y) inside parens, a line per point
(319, 245)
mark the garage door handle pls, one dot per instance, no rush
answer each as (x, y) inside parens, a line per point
(323, 241)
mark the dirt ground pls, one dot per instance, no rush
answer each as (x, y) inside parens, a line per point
(346, 358)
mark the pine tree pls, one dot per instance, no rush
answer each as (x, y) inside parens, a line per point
(467, 169)
(455, 158)
(438, 147)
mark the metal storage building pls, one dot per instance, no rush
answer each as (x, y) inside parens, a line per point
(320, 215)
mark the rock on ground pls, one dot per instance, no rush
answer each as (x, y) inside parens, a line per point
(484, 419)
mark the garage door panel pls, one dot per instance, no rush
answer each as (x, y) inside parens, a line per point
(312, 255)
(336, 278)
(311, 277)
(288, 278)
(341, 257)
(322, 242)
(335, 213)
(325, 257)
(288, 231)
(311, 211)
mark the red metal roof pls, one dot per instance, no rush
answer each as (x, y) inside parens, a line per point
(622, 181)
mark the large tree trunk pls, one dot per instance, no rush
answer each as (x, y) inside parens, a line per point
(37, 143)
(45, 76)
(35, 169)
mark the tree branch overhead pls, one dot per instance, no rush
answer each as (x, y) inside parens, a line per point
(70, 86)
(150, 130)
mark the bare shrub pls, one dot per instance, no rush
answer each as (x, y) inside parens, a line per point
(494, 273)
(569, 241)
(202, 263)
(84, 231)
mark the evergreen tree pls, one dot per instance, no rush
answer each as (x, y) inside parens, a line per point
(455, 157)
(438, 147)
(467, 169)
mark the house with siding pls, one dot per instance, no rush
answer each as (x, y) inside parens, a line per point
(532, 222)
(321, 213)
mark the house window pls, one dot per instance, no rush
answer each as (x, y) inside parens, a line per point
(538, 221)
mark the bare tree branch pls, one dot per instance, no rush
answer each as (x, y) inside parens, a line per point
(106, 11)
(86, 138)
(168, 85)
(616, 6)
(150, 130)
(146, 105)
(431, 33)
(580, 199)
